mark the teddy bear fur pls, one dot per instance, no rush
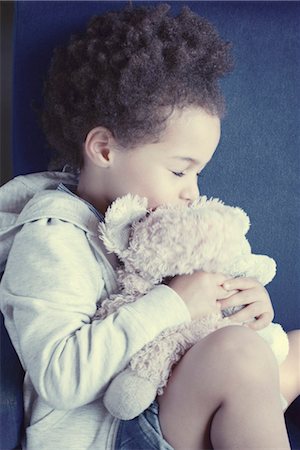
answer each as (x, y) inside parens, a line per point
(155, 245)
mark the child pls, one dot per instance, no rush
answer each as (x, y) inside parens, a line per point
(134, 104)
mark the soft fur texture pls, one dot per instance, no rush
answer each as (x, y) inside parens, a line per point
(175, 240)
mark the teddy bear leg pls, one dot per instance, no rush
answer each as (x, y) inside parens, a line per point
(277, 338)
(133, 390)
(129, 395)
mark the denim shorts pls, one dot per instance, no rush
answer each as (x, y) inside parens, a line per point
(142, 433)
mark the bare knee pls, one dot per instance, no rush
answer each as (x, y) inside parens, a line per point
(227, 364)
(290, 369)
(235, 354)
(240, 354)
(243, 344)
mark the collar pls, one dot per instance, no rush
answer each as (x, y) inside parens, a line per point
(71, 190)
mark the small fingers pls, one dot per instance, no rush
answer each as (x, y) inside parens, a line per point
(240, 283)
(236, 298)
(261, 322)
(247, 313)
(248, 317)
(224, 295)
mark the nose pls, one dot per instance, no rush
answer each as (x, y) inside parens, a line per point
(190, 192)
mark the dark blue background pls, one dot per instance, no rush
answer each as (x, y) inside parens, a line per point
(257, 165)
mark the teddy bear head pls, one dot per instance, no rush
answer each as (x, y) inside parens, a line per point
(174, 240)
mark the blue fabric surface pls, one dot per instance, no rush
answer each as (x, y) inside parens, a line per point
(257, 165)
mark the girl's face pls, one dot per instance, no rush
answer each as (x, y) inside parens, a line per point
(167, 171)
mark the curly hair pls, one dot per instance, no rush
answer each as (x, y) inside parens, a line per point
(127, 73)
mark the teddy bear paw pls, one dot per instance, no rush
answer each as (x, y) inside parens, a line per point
(129, 395)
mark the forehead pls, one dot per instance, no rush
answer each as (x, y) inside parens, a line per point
(191, 134)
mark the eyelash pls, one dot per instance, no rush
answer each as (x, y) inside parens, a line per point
(178, 174)
(181, 174)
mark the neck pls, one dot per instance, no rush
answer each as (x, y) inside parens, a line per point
(91, 188)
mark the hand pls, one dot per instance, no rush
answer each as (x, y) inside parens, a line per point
(250, 293)
(200, 291)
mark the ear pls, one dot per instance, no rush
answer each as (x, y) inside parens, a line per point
(99, 147)
(119, 217)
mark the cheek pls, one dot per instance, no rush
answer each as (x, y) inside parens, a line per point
(153, 203)
(131, 178)
(150, 182)
(144, 179)
(139, 183)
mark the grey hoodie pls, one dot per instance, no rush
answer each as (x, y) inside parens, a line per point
(56, 273)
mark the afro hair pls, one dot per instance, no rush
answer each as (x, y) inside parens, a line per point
(128, 72)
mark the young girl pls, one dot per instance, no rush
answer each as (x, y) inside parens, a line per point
(135, 105)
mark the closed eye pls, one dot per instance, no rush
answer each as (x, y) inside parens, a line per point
(181, 174)
(178, 174)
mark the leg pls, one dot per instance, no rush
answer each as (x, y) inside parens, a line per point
(224, 393)
(290, 369)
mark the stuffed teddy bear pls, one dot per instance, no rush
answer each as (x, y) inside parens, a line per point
(174, 240)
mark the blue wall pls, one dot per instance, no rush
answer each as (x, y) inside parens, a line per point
(257, 163)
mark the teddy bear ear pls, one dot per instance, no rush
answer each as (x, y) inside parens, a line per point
(115, 230)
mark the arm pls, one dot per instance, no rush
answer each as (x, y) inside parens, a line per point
(49, 293)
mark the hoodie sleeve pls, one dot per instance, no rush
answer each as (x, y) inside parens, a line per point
(49, 293)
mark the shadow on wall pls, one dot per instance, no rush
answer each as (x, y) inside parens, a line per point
(6, 14)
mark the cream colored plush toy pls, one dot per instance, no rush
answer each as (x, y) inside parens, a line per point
(153, 245)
